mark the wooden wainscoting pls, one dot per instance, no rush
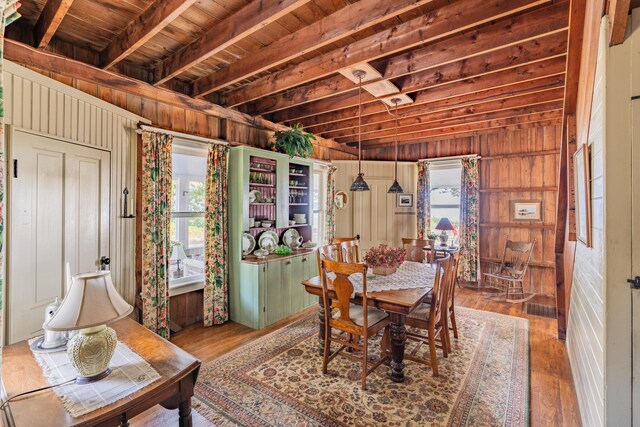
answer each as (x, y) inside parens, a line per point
(515, 165)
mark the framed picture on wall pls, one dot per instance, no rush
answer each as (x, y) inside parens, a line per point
(582, 176)
(405, 200)
(526, 210)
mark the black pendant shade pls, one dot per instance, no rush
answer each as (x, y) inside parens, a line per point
(359, 184)
(395, 188)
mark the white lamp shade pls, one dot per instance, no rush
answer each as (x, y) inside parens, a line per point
(91, 301)
(177, 254)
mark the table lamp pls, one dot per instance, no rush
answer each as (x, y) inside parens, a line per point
(445, 225)
(178, 255)
(91, 303)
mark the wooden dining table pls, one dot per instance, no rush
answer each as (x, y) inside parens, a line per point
(397, 302)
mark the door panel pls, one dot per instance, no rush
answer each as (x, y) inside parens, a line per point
(58, 213)
(374, 213)
(635, 255)
(273, 293)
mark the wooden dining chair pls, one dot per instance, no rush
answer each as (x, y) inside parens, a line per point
(328, 252)
(338, 240)
(450, 315)
(431, 318)
(350, 251)
(416, 250)
(353, 321)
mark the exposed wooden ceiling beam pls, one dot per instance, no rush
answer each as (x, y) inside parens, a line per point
(150, 22)
(619, 15)
(512, 123)
(342, 23)
(348, 118)
(254, 16)
(390, 131)
(369, 152)
(438, 24)
(424, 114)
(530, 52)
(509, 31)
(50, 19)
(28, 56)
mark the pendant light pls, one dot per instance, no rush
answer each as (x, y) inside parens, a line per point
(395, 187)
(359, 184)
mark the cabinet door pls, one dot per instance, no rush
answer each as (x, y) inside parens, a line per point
(310, 270)
(298, 296)
(286, 277)
(273, 295)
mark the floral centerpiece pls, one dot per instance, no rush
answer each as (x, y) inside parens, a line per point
(384, 260)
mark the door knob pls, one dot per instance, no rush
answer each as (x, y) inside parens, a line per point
(634, 283)
(104, 262)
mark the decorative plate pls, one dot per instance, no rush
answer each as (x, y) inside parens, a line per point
(309, 245)
(248, 244)
(268, 241)
(255, 196)
(290, 236)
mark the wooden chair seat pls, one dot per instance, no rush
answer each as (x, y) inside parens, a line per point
(356, 314)
(421, 312)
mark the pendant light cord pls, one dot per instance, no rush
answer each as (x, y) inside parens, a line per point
(397, 124)
(359, 124)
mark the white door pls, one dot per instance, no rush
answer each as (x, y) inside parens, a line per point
(635, 256)
(374, 214)
(58, 213)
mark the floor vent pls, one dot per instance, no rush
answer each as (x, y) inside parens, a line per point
(540, 310)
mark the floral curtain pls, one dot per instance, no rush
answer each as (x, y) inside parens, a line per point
(423, 203)
(330, 213)
(469, 218)
(156, 217)
(216, 286)
(9, 14)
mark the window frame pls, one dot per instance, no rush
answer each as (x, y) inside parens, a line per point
(179, 146)
(444, 165)
(320, 174)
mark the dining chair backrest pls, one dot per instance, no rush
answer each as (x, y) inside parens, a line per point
(328, 252)
(416, 249)
(453, 276)
(343, 291)
(440, 289)
(516, 257)
(338, 240)
(350, 251)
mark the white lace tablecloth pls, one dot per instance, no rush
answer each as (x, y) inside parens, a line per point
(409, 275)
(129, 373)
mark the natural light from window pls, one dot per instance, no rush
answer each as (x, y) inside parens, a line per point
(445, 195)
(186, 265)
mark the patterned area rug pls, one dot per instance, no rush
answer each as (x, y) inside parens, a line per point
(278, 381)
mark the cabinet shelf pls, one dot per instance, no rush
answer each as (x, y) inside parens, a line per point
(298, 188)
(255, 184)
(261, 204)
(262, 171)
(297, 174)
(299, 225)
(298, 204)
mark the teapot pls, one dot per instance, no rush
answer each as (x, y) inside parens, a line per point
(296, 242)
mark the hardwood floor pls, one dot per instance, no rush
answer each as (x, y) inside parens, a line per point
(553, 398)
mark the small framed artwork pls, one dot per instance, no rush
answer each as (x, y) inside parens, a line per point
(526, 210)
(405, 200)
(581, 168)
(341, 200)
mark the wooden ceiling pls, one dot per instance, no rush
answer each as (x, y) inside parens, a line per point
(468, 66)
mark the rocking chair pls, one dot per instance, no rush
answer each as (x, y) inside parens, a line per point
(508, 276)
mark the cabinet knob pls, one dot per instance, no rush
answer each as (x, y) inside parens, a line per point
(304, 259)
(288, 262)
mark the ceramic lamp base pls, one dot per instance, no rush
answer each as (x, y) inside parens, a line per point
(90, 352)
(444, 238)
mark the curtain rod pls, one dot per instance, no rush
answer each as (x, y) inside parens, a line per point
(180, 135)
(437, 159)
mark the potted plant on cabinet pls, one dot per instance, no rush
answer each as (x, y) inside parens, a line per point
(294, 141)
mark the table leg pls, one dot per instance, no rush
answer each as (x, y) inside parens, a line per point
(398, 334)
(321, 329)
(184, 414)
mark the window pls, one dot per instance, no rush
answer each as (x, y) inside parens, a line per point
(319, 204)
(444, 180)
(186, 265)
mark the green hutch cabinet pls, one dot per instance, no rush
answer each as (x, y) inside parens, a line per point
(263, 291)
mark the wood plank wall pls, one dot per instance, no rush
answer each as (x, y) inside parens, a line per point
(515, 165)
